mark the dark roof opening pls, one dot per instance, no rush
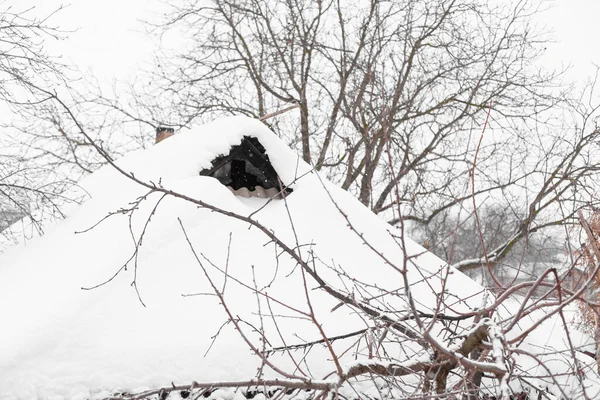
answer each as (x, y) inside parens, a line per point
(247, 171)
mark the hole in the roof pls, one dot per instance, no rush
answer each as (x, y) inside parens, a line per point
(247, 171)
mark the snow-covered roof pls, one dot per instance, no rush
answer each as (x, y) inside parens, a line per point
(59, 340)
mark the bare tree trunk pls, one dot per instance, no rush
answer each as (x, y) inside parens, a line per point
(305, 132)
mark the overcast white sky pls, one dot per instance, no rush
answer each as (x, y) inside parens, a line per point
(575, 24)
(109, 39)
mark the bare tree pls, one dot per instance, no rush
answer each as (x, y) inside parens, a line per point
(26, 181)
(389, 93)
(42, 152)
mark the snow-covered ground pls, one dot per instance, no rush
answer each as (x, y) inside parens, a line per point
(59, 340)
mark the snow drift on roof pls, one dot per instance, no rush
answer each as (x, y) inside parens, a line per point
(59, 340)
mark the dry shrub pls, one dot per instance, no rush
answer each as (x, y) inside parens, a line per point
(580, 274)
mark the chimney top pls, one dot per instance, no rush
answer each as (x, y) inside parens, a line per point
(163, 132)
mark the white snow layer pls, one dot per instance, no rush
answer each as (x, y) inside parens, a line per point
(59, 341)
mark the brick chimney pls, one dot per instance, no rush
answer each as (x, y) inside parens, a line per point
(162, 133)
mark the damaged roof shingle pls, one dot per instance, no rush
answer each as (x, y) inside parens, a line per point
(247, 171)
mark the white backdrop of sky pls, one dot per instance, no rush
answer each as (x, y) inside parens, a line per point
(105, 38)
(109, 38)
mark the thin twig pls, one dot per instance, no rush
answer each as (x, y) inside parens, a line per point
(278, 112)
